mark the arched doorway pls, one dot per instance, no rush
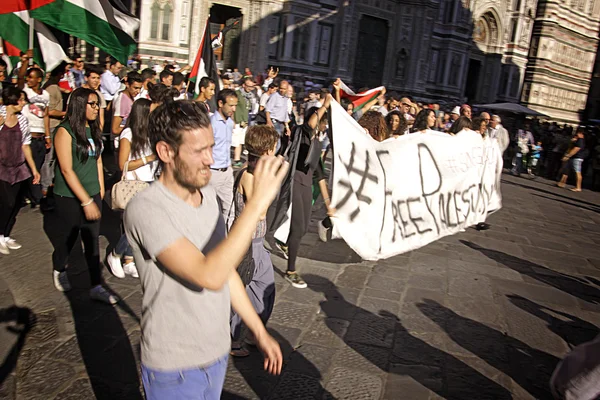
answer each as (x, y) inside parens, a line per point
(484, 57)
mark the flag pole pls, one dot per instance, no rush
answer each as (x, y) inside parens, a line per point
(31, 32)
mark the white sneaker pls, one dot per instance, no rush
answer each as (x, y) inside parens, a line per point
(100, 294)
(322, 231)
(4, 248)
(130, 269)
(114, 262)
(12, 244)
(61, 281)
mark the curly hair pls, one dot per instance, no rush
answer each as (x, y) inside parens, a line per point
(401, 128)
(374, 123)
(171, 119)
(259, 140)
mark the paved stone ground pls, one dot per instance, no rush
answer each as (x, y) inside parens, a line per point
(478, 315)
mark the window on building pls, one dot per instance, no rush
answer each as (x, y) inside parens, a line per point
(326, 34)
(433, 65)
(454, 77)
(450, 10)
(274, 35)
(154, 21)
(300, 42)
(513, 28)
(166, 21)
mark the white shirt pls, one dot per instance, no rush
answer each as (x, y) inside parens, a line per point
(109, 85)
(144, 173)
(36, 109)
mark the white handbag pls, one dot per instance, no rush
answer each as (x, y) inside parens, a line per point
(125, 190)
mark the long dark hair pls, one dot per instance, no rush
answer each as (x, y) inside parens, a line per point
(421, 120)
(461, 123)
(76, 117)
(138, 123)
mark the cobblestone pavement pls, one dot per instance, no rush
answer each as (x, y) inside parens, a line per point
(478, 315)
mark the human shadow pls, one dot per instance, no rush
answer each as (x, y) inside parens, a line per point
(299, 378)
(573, 330)
(101, 336)
(569, 203)
(388, 345)
(549, 192)
(15, 324)
(572, 285)
(528, 367)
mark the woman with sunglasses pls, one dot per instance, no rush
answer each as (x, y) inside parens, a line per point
(134, 149)
(78, 190)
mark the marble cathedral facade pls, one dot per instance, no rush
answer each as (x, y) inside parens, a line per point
(539, 52)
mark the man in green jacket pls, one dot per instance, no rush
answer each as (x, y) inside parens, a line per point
(246, 108)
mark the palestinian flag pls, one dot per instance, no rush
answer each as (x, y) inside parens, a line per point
(359, 99)
(10, 54)
(205, 64)
(11, 6)
(14, 29)
(97, 22)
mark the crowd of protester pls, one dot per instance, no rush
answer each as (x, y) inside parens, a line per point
(199, 220)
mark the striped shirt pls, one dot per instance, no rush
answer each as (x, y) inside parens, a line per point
(23, 124)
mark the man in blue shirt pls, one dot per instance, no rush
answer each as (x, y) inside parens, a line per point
(78, 71)
(222, 173)
(276, 111)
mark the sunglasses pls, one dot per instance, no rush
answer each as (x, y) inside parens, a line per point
(94, 104)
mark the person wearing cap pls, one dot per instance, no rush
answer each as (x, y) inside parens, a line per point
(465, 110)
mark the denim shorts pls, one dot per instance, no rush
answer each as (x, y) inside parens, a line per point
(195, 383)
(577, 164)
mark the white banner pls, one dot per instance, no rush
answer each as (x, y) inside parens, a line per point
(401, 194)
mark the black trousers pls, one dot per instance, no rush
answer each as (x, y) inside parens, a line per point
(9, 205)
(63, 227)
(38, 152)
(301, 209)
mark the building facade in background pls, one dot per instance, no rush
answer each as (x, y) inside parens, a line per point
(539, 52)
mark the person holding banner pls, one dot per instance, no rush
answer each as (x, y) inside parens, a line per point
(424, 122)
(307, 165)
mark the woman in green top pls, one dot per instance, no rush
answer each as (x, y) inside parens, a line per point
(78, 190)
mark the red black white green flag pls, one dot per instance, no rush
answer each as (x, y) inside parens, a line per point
(205, 64)
(359, 99)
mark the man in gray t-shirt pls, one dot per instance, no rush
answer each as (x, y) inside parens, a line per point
(187, 264)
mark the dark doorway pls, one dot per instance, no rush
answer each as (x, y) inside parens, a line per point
(472, 80)
(370, 52)
(231, 17)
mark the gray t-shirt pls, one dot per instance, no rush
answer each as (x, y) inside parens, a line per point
(183, 326)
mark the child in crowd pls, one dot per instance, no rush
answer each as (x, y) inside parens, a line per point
(260, 140)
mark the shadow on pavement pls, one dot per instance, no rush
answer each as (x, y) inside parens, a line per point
(569, 203)
(572, 285)
(389, 346)
(528, 367)
(15, 323)
(570, 328)
(102, 339)
(299, 377)
(549, 192)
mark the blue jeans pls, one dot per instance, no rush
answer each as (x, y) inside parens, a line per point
(123, 248)
(280, 128)
(194, 383)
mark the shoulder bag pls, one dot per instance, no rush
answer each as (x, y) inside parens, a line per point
(125, 190)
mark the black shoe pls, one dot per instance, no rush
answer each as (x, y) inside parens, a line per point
(482, 226)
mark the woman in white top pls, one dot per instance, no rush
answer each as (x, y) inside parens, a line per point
(134, 149)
